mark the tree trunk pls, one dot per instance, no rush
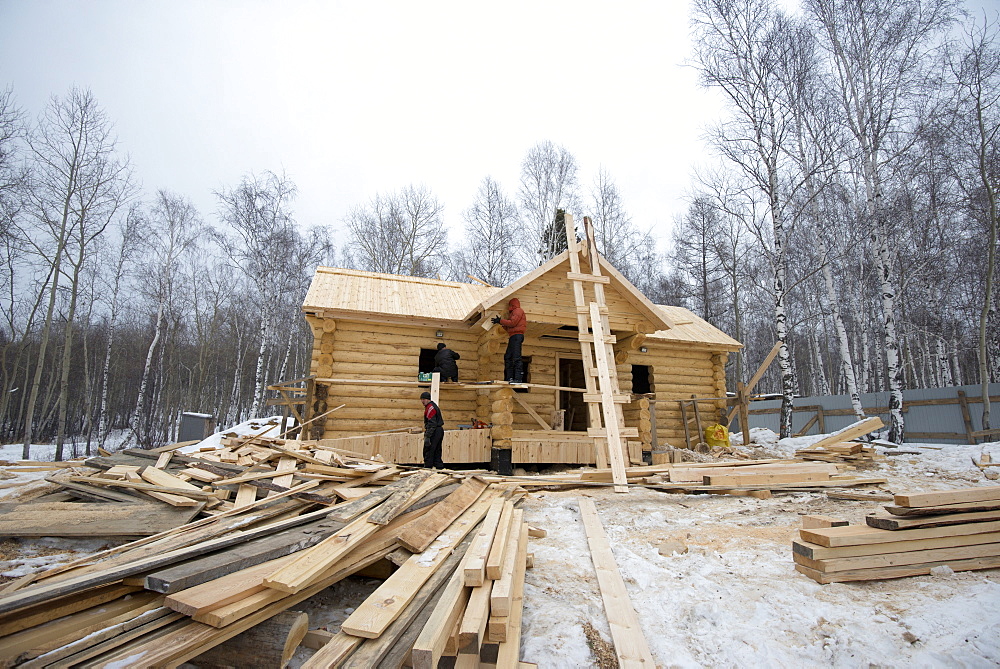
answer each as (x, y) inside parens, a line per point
(146, 372)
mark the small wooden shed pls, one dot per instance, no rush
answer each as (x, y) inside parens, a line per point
(375, 332)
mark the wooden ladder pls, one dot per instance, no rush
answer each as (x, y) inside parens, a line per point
(603, 397)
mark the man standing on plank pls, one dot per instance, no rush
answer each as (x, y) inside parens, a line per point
(515, 324)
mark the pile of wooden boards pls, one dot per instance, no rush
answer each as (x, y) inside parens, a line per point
(958, 529)
(168, 598)
(844, 452)
(720, 477)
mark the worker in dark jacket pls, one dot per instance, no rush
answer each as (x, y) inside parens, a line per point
(433, 432)
(444, 362)
(515, 324)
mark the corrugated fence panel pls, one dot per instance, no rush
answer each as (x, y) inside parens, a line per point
(930, 414)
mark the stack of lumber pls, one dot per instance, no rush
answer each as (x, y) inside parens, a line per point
(959, 529)
(166, 599)
(851, 451)
(716, 477)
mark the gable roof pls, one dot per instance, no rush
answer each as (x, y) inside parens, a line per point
(642, 304)
(355, 294)
(340, 293)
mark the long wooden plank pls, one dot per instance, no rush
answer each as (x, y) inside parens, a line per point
(630, 644)
(897, 572)
(899, 559)
(418, 537)
(34, 641)
(474, 565)
(611, 411)
(376, 613)
(503, 588)
(472, 626)
(962, 507)
(886, 521)
(413, 488)
(430, 643)
(510, 649)
(764, 479)
(224, 590)
(862, 535)
(817, 552)
(69, 519)
(963, 495)
(333, 652)
(189, 640)
(852, 431)
(43, 613)
(495, 559)
(314, 561)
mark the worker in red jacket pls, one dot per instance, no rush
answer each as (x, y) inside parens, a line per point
(433, 432)
(515, 324)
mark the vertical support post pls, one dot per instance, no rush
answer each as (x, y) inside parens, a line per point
(697, 419)
(684, 419)
(743, 397)
(435, 387)
(963, 402)
(821, 419)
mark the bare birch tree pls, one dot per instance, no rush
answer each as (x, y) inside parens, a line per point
(78, 182)
(492, 236)
(977, 74)
(398, 233)
(548, 183)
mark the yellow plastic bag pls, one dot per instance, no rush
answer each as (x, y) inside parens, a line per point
(717, 436)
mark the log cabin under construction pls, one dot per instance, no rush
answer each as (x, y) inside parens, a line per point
(375, 332)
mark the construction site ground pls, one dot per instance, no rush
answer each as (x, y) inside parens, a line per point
(711, 576)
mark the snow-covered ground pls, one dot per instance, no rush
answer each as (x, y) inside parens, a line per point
(729, 596)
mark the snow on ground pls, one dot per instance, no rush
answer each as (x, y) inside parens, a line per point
(731, 596)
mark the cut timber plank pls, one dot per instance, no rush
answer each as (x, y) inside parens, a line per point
(311, 563)
(286, 468)
(630, 644)
(503, 588)
(412, 489)
(224, 590)
(245, 495)
(474, 565)
(897, 572)
(816, 552)
(46, 611)
(887, 521)
(510, 649)
(333, 652)
(472, 626)
(34, 641)
(962, 507)
(429, 645)
(963, 495)
(814, 521)
(764, 479)
(377, 612)
(852, 431)
(418, 537)
(495, 559)
(863, 535)
(531, 412)
(70, 519)
(900, 559)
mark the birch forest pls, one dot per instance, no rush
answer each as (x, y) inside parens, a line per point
(845, 206)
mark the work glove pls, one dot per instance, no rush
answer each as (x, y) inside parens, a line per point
(495, 319)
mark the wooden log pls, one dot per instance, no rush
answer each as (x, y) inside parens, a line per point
(630, 644)
(270, 643)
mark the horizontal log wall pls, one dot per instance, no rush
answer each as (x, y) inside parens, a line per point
(369, 351)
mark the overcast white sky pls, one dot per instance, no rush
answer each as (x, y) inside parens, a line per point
(356, 98)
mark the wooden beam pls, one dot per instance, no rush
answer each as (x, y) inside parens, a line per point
(376, 613)
(532, 413)
(418, 537)
(630, 644)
